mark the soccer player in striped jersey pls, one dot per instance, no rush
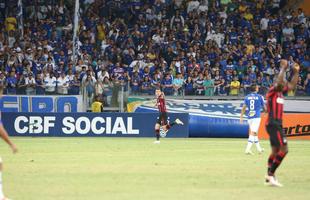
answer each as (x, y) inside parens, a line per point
(275, 101)
(253, 104)
(162, 120)
(4, 135)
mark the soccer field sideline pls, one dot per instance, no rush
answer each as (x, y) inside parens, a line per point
(135, 168)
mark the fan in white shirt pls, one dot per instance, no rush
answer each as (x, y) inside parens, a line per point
(31, 84)
(70, 75)
(62, 84)
(50, 84)
(102, 74)
(264, 23)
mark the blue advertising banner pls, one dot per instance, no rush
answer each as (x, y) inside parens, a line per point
(90, 124)
(20, 103)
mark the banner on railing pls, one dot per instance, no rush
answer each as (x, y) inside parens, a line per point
(43, 104)
(90, 124)
(210, 118)
(295, 126)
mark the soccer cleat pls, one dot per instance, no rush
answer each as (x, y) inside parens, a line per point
(272, 181)
(178, 121)
(157, 142)
(249, 152)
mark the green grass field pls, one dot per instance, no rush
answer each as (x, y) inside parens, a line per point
(132, 168)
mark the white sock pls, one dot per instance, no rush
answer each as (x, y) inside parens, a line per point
(250, 143)
(258, 147)
(1, 191)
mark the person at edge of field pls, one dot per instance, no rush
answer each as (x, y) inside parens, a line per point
(4, 135)
(274, 122)
(97, 105)
(253, 104)
(162, 121)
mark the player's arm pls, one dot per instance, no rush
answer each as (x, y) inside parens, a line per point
(242, 113)
(265, 108)
(4, 135)
(154, 101)
(263, 104)
(283, 67)
(292, 84)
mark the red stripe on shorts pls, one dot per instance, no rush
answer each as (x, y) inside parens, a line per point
(274, 107)
(279, 138)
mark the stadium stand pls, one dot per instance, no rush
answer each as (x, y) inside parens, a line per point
(217, 47)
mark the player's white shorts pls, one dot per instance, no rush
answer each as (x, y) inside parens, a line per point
(254, 124)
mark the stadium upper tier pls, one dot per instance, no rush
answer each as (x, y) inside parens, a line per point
(184, 47)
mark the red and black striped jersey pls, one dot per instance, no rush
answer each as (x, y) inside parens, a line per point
(161, 104)
(275, 103)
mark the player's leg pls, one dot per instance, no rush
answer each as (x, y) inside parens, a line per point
(1, 187)
(250, 139)
(254, 129)
(157, 128)
(164, 122)
(279, 150)
(272, 156)
(4, 135)
(178, 121)
(167, 125)
(282, 152)
(270, 179)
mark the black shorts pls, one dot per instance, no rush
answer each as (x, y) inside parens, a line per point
(162, 119)
(276, 135)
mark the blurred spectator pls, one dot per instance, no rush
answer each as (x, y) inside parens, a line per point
(99, 89)
(62, 84)
(189, 86)
(307, 85)
(89, 89)
(300, 88)
(167, 85)
(234, 86)
(178, 85)
(21, 85)
(10, 23)
(30, 84)
(224, 88)
(266, 84)
(97, 105)
(135, 83)
(74, 86)
(209, 86)
(107, 90)
(199, 85)
(11, 83)
(146, 86)
(40, 85)
(50, 84)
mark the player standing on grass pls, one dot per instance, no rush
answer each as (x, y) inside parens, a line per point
(274, 121)
(4, 135)
(162, 120)
(254, 103)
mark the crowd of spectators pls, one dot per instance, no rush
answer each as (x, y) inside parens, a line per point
(206, 47)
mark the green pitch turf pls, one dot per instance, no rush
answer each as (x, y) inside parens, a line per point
(134, 169)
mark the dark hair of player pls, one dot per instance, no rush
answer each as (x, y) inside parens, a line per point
(253, 87)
